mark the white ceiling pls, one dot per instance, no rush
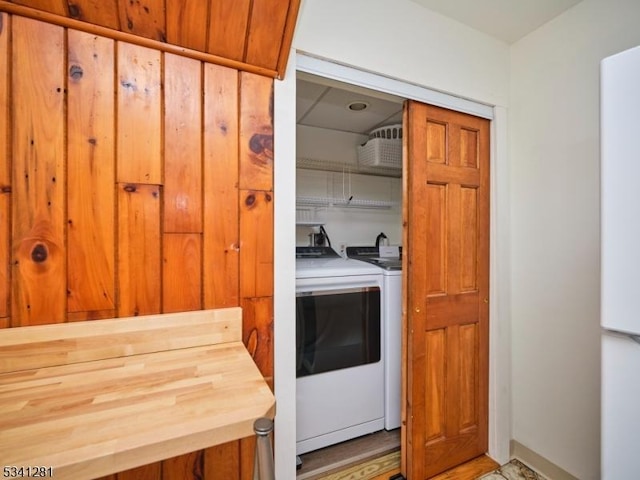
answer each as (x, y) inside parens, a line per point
(507, 20)
(323, 103)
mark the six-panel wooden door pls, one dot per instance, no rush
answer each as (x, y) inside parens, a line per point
(446, 215)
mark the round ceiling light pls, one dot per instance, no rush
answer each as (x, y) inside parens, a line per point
(357, 106)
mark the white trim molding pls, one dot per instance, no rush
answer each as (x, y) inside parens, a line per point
(284, 268)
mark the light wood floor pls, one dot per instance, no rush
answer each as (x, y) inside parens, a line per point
(468, 471)
(335, 458)
(346, 454)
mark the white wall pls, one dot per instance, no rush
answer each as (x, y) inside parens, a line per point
(554, 138)
(398, 39)
(403, 40)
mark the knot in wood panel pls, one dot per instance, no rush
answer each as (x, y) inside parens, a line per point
(39, 253)
(76, 72)
(74, 11)
(250, 200)
(129, 85)
(261, 144)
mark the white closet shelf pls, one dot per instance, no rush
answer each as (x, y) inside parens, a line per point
(329, 166)
(309, 223)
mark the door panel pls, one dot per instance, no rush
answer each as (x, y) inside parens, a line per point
(436, 142)
(435, 245)
(468, 376)
(435, 385)
(446, 238)
(469, 148)
(469, 239)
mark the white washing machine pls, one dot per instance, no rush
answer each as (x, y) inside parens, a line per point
(339, 351)
(392, 325)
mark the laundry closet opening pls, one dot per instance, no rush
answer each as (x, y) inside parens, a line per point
(348, 273)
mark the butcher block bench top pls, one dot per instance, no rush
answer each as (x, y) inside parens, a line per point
(88, 399)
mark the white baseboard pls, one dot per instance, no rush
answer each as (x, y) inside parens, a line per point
(538, 463)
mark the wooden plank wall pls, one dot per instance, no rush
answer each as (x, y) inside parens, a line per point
(253, 35)
(134, 182)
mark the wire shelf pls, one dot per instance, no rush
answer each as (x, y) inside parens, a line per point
(343, 203)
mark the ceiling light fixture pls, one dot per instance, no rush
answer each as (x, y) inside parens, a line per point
(357, 106)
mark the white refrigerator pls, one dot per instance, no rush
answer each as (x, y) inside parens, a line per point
(620, 285)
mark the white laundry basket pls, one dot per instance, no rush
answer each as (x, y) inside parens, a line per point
(383, 149)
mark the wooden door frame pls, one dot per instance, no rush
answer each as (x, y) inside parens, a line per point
(284, 314)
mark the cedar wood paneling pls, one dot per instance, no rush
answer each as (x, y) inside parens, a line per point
(134, 182)
(256, 34)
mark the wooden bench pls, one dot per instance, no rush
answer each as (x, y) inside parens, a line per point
(89, 399)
